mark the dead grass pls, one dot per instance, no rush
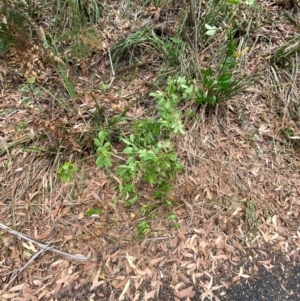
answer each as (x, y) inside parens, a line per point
(239, 192)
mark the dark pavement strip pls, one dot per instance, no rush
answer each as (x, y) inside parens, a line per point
(282, 282)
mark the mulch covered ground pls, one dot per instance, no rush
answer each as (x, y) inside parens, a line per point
(236, 203)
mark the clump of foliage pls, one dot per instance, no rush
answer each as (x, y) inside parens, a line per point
(67, 172)
(220, 85)
(74, 22)
(13, 24)
(150, 157)
(148, 153)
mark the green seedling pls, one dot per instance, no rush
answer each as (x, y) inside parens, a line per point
(211, 30)
(104, 152)
(21, 126)
(143, 228)
(171, 217)
(218, 86)
(67, 172)
(289, 132)
(94, 212)
(32, 90)
(147, 208)
(176, 226)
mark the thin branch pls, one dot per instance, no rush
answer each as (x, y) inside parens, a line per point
(20, 270)
(45, 247)
(112, 69)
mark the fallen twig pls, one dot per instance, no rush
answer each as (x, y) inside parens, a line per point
(112, 69)
(45, 247)
(20, 270)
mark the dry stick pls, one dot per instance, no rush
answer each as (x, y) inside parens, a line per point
(112, 69)
(196, 33)
(45, 247)
(20, 270)
(129, 68)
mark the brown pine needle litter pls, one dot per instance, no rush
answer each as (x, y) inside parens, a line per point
(231, 211)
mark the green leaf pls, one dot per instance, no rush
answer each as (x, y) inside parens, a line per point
(207, 72)
(178, 127)
(107, 163)
(176, 40)
(67, 171)
(102, 135)
(233, 1)
(31, 80)
(176, 225)
(107, 145)
(94, 211)
(126, 141)
(209, 27)
(224, 81)
(99, 162)
(132, 201)
(143, 228)
(128, 150)
(157, 95)
(200, 97)
(131, 138)
(97, 142)
(211, 30)
(170, 217)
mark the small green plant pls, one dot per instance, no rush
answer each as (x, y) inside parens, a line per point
(251, 217)
(211, 30)
(94, 212)
(32, 90)
(150, 158)
(14, 23)
(104, 87)
(67, 172)
(156, 166)
(286, 51)
(141, 38)
(218, 86)
(176, 226)
(103, 150)
(289, 132)
(21, 126)
(147, 208)
(172, 217)
(67, 80)
(143, 228)
(174, 51)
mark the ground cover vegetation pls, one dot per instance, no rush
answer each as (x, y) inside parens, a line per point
(158, 139)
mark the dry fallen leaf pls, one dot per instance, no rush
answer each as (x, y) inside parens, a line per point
(185, 293)
(121, 297)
